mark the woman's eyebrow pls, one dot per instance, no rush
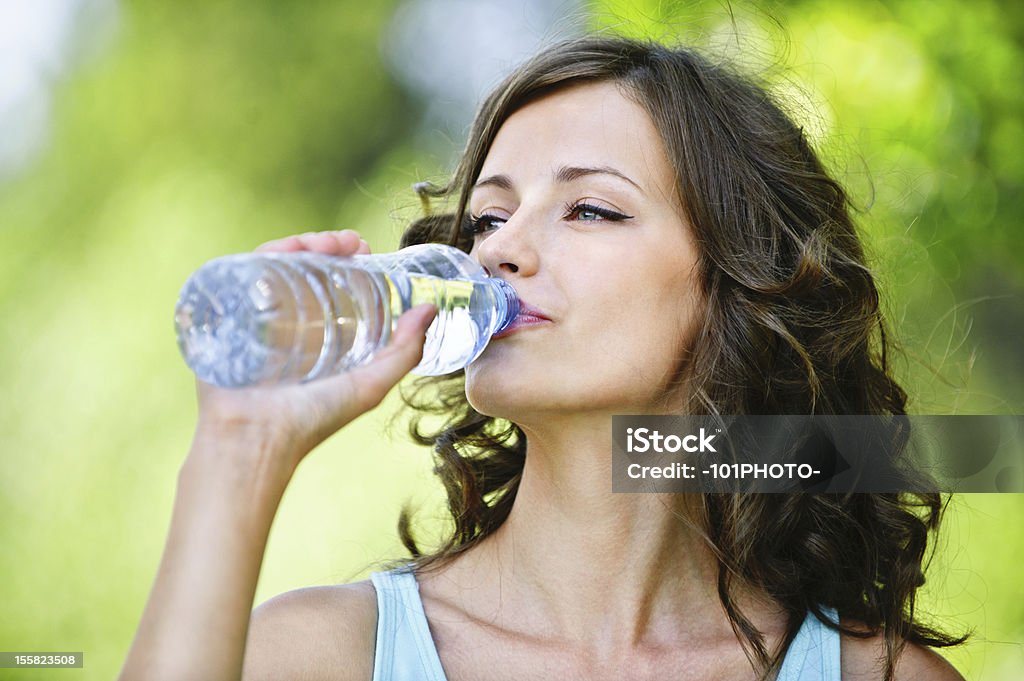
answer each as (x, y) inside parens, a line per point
(570, 173)
(564, 174)
(499, 181)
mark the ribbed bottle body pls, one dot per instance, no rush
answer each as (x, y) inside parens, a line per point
(290, 317)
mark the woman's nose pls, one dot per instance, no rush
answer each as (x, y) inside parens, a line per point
(509, 249)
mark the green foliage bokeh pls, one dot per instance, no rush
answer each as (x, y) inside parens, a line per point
(207, 128)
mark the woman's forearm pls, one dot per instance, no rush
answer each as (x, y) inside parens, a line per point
(195, 622)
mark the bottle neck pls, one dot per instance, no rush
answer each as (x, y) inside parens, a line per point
(507, 303)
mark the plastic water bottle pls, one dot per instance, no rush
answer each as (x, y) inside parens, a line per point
(264, 318)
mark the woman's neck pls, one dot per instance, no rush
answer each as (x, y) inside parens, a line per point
(576, 562)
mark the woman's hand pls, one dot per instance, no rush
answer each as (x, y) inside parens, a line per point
(247, 445)
(288, 421)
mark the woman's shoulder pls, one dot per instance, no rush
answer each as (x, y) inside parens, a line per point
(322, 632)
(862, 659)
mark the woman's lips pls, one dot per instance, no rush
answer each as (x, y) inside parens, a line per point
(528, 316)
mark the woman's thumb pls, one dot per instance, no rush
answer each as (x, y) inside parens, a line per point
(401, 355)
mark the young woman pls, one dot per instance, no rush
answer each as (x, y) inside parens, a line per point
(678, 248)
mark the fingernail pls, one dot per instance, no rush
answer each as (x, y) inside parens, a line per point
(426, 310)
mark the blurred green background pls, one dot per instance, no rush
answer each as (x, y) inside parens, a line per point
(144, 138)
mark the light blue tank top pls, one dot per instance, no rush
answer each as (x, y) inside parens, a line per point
(406, 652)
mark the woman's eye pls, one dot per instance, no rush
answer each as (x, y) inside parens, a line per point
(587, 212)
(584, 212)
(478, 224)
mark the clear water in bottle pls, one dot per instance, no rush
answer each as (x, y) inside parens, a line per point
(288, 317)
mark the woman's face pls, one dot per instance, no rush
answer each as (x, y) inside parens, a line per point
(575, 207)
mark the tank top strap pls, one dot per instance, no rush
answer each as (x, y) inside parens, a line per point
(405, 649)
(813, 654)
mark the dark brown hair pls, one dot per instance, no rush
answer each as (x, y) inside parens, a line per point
(791, 325)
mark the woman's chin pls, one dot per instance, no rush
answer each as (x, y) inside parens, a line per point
(498, 392)
(490, 399)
